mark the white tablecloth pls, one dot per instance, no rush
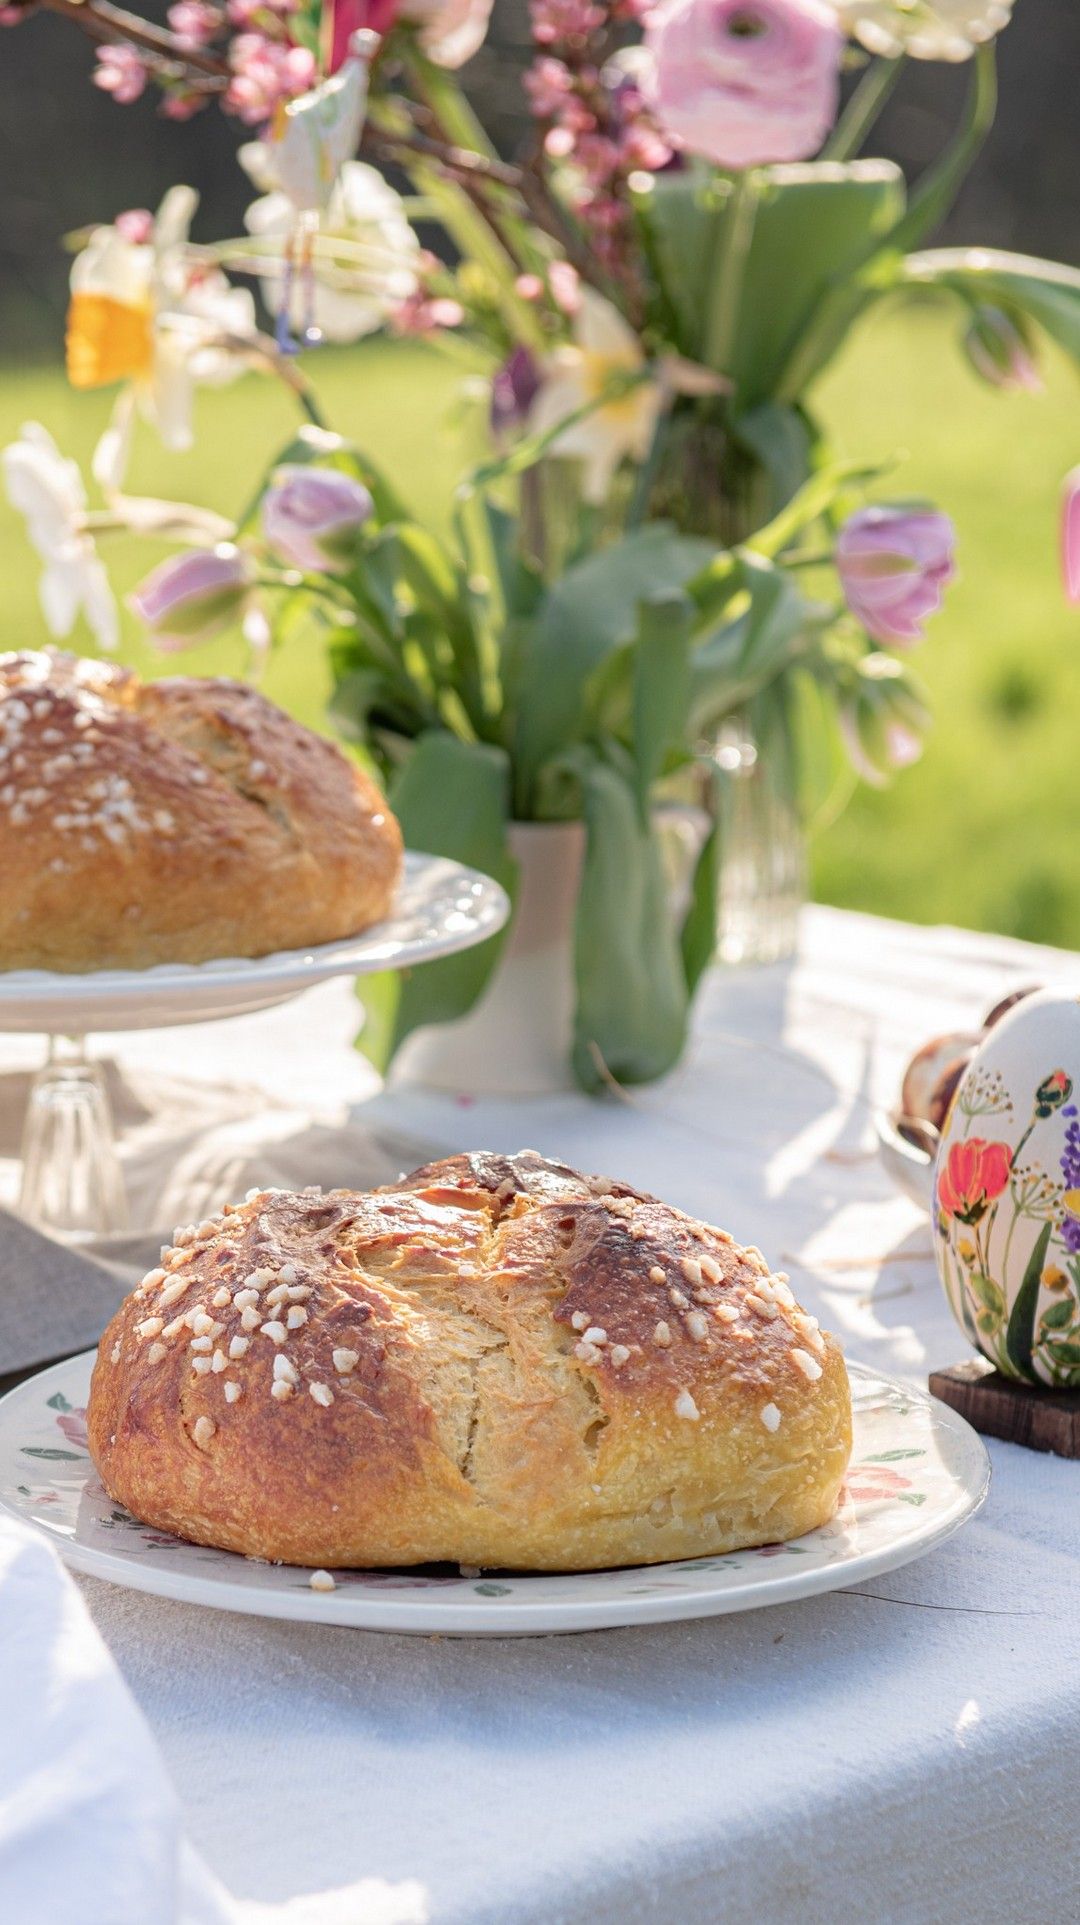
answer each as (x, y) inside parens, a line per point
(907, 1751)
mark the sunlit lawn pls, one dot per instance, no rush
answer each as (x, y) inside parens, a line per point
(986, 831)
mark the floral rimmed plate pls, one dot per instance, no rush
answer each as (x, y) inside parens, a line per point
(917, 1473)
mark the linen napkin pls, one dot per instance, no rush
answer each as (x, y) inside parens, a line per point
(86, 1805)
(186, 1149)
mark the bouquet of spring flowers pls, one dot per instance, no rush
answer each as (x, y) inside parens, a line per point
(658, 540)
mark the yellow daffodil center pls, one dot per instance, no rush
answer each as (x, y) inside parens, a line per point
(107, 340)
(600, 371)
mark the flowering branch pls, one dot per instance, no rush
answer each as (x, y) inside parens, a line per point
(103, 22)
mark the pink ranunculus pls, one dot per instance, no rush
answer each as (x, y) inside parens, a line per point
(745, 82)
(121, 72)
(1070, 537)
(312, 517)
(894, 565)
(191, 596)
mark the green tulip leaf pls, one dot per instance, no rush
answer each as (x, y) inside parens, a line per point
(632, 995)
(451, 799)
(661, 685)
(591, 611)
(698, 938)
(815, 226)
(782, 440)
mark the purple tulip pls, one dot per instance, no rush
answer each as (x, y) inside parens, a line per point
(894, 565)
(1070, 537)
(192, 595)
(312, 517)
(745, 82)
(513, 391)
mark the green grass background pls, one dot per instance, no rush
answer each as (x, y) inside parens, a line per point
(985, 831)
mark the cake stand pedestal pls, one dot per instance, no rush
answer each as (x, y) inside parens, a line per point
(72, 1184)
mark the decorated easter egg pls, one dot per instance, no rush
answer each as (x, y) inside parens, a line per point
(1007, 1194)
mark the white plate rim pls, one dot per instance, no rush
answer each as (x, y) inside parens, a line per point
(348, 955)
(434, 1613)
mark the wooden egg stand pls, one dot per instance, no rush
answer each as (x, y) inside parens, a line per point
(998, 1406)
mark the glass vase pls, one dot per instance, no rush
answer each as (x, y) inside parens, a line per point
(763, 870)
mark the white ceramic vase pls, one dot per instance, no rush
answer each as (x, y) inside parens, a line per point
(517, 1039)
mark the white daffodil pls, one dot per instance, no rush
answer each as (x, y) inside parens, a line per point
(364, 257)
(146, 312)
(47, 488)
(576, 377)
(925, 29)
(308, 142)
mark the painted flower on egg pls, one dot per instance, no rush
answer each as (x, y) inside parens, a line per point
(975, 1173)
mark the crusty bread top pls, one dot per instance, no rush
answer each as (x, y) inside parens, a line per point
(174, 820)
(652, 1301)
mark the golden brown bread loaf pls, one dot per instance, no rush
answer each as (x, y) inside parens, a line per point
(174, 821)
(495, 1361)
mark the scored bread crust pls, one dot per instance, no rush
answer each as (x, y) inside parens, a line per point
(496, 1361)
(174, 821)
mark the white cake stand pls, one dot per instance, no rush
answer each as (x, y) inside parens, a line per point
(71, 1184)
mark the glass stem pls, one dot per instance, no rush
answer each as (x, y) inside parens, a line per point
(72, 1187)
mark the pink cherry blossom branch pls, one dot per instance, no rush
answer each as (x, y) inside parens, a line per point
(485, 179)
(107, 24)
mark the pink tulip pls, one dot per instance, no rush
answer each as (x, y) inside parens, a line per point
(352, 16)
(1070, 537)
(894, 565)
(745, 82)
(999, 350)
(312, 517)
(191, 596)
